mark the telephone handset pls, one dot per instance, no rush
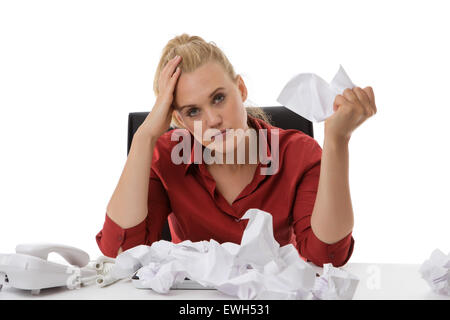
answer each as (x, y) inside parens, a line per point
(72, 255)
(29, 268)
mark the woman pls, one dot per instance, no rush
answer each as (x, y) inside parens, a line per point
(308, 195)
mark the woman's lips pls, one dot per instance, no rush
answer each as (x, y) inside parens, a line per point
(223, 132)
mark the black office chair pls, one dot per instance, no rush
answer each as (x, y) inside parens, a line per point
(280, 117)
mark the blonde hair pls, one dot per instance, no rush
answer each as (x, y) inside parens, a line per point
(195, 52)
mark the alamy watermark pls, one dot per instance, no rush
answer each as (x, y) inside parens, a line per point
(216, 137)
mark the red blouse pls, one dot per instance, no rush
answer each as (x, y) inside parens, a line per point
(186, 194)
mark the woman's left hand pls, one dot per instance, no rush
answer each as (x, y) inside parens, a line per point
(351, 109)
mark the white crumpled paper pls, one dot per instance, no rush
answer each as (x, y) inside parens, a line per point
(258, 268)
(436, 272)
(310, 96)
(334, 284)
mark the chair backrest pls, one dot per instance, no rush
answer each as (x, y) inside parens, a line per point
(280, 117)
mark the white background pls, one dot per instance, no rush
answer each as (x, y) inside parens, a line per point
(71, 71)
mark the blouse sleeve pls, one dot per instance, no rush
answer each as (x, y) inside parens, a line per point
(112, 236)
(308, 245)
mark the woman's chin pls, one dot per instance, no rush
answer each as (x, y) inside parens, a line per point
(224, 146)
(221, 147)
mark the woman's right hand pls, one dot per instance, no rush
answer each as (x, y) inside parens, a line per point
(158, 120)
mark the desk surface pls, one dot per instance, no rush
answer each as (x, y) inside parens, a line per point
(377, 281)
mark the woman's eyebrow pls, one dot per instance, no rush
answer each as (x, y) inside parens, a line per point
(193, 105)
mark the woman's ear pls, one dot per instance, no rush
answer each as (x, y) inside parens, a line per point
(242, 88)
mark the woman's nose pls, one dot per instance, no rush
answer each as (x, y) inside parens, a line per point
(213, 119)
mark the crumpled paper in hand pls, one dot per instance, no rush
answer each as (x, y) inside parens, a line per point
(311, 97)
(258, 268)
(436, 272)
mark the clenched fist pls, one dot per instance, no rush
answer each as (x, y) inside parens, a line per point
(351, 109)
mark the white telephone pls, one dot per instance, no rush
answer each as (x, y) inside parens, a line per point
(29, 268)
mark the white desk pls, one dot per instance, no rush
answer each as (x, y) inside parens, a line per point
(377, 281)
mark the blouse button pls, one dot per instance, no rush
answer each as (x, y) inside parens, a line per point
(331, 255)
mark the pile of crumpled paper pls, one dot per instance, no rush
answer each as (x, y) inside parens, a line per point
(436, 272)
(258, 268)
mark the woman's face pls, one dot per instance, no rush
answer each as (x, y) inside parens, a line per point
(209, 98)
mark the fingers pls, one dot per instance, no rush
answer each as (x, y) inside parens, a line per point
(175, 75)
(350, 95)
(371, 95)
(174, 65)
(168, 76)
(364, 98)
(364, 101)
(170, 66)
(339, 100)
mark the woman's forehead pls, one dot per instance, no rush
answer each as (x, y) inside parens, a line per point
(197, 86)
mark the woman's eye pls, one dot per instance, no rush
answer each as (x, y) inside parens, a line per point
(194, 111)
(189, 113)
(219, 95)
